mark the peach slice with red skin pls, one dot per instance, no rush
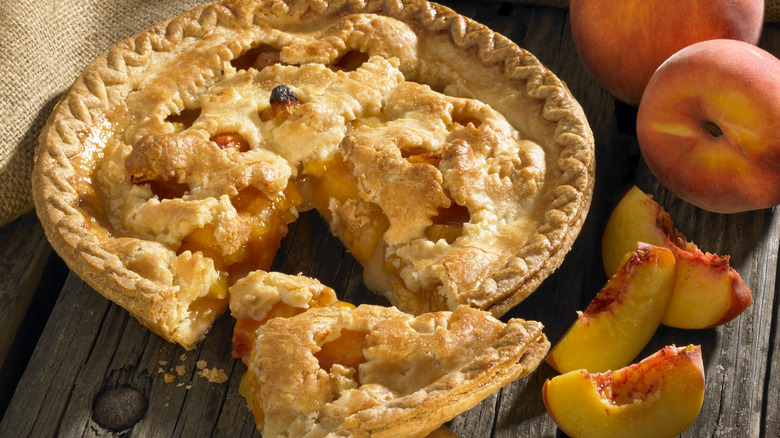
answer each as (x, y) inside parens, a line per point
(623, 316)
(708, 292)
(659, 397)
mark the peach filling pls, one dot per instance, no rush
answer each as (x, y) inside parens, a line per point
(268, 219)
(231, 140)
(346, 350)
(249, 388)
(258, 58)
(448, 223)
(256, 253)
(210, 306)
(244, 336)
(334, 179)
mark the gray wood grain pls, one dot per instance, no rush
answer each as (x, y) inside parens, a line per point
(26, 277)
(21, 262)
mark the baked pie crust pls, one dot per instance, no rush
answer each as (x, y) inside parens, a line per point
(376, 371)
(456, 168)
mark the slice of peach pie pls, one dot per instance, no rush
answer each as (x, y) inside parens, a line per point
(455, 167)
(319, 367)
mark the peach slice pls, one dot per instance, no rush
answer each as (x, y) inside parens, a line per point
(659, 397)
(622, 317)
(707, 292)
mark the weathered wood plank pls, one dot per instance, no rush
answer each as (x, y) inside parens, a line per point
(22, 255)
(770, 324)
(29, 279)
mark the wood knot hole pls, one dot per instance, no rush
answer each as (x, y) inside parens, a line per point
(119, 409)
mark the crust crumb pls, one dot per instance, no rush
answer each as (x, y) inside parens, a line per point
(214, 375)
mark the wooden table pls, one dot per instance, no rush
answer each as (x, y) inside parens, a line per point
(62, 344)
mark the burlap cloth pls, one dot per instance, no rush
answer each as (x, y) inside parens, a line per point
(44, 45)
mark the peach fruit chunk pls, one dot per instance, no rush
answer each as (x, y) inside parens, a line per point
(659, 397)
(707, 290)
(623, 316)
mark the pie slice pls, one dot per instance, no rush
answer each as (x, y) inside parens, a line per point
(376, 371)
(331, 366)
(453, 165)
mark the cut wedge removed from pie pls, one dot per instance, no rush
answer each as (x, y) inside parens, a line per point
(317, 366)
(376, 371)
(455, 167)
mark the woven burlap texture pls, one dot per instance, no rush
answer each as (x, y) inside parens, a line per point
(44, 45)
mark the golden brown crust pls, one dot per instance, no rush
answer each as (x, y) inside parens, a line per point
(515, 150)
(255, 295)
(419, 372)
(206, 169)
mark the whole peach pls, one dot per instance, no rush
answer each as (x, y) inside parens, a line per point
(622, 42)
(708, 126)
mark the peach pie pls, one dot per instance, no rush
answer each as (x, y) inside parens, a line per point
(454, 167)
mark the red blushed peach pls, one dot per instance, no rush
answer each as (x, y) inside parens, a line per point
(707, 290)
(659, 397)
(622, 317)
(622, 42)
(707, 126)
